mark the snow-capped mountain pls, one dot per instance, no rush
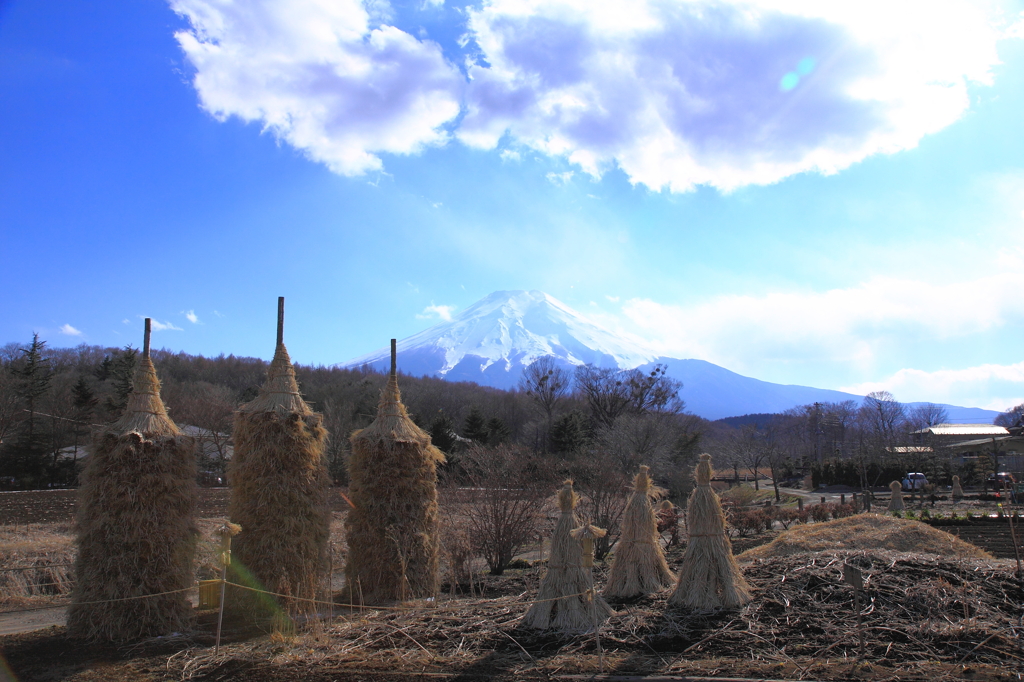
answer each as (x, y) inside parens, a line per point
(491, 341)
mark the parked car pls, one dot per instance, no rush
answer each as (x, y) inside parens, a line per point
(914, 481)
(1001, 480)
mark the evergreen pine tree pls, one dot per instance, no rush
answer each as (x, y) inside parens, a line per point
(26, 457)
(475, 427)
(442, 433)
(122, 369)
(570, 432)
(497, 432)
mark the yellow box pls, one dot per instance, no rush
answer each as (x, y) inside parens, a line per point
(209, 594)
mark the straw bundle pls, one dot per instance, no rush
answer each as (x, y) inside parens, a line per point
(135, 529)
(709, 577)
(639, 565)
(566, 600)
(392, 530)
(279, 492)
(958, 492)
(896, 501)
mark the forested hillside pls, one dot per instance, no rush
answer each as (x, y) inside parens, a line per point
(584, 423)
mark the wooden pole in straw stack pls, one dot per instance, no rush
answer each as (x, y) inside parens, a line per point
(896, 501)
(565, 600)
(639, 565)
(709, 577)
(135, 530)
(392, 529)
(279, 487)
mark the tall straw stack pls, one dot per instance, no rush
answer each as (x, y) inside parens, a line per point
(135, 530)
(958, 492)
(279, 493)
(392, 529)
(566, 600)
(709, 577)
(639, 565)
(896, 501)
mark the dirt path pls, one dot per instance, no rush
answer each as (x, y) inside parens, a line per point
(15, 623)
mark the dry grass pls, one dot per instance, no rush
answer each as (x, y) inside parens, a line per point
(926, 611)
(279, 491)
(135, 531)
(709, 578)
(393, 528)
(866, 532)
(638, 565)
(47, 553)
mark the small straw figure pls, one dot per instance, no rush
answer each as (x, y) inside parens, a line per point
(279, 487)
(135, 530)
(393, 528)
(566, 600)
(709, 577)
(958, 492)
(896, 501)
(639, 565)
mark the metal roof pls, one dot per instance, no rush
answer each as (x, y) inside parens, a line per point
(965, 430)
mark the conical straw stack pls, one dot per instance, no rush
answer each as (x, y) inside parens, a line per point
(958, 492)
(565, 600)
(135, 529)
(709, 577)
(896, 501)
(279, 495)
(638, 565)
(392, 530)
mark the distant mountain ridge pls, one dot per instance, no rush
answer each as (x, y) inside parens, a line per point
(491, 341)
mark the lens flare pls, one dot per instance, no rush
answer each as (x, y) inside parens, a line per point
(789, 81)
(806, 65)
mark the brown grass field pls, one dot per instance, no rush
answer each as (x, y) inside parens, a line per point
(944, 615)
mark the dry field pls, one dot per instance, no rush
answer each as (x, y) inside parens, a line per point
(927, 616)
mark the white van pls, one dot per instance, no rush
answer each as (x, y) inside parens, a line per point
(914, 481)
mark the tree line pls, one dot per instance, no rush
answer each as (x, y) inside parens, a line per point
(593, 423)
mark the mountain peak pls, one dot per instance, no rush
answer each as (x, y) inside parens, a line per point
(492, 340)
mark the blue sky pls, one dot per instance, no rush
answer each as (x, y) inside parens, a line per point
(826, 194)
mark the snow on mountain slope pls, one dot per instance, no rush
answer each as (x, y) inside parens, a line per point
(492, 340)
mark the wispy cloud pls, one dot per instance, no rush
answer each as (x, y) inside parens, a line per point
(432, 311)
(848, 325)
(218, 313)
(68, 330)
(159, 326)
(560, 178)
(994, 387)
(191, 316)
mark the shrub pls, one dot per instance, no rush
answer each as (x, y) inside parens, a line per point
(820, 512)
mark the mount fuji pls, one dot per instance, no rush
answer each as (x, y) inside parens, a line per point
(491, 341)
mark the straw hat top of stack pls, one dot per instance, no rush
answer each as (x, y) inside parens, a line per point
(567, 497)
(703, 471)
(895, 487)
(393, 423)
(145, 411)
(280, 392)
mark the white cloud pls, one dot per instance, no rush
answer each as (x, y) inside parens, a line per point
(675, 93)
(613, 299)
(443, 312)
(191, 316)
(218, 314)
(560, 178)
(159, 326)
(322, 75)
(994, 387)
(69, 330)
(510, 155)
(683, 93)
(847, 325)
